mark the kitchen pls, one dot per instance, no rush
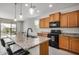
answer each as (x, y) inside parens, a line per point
(52, 30)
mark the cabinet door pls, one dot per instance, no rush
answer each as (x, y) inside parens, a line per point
(51, 18)
(44, 48)
(63, 20)
(72, 19)
(74, 44)
(78, 19)
(56, 17)
(64, 42)
(42, 23)
(46, 22)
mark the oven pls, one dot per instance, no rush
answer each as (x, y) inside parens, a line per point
(54, 38)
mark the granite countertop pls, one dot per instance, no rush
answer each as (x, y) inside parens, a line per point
(28, 43)
(70, 34)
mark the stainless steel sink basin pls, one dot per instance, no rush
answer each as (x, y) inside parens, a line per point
(32, 36)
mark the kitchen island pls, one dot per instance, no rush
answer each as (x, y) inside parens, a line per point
(29, 43)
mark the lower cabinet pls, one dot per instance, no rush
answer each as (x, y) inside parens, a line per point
(64, 42)
(74, 44)
(69, 43)
(44, 48)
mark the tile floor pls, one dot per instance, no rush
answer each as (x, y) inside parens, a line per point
(54, 51)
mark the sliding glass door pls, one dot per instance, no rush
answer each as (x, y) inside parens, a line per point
(13, 31)
(8, 30)
(5, 30)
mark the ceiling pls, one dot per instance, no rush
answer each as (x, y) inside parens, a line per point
(7, 9)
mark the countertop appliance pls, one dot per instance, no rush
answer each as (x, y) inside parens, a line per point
(54, 38)
(54, 24)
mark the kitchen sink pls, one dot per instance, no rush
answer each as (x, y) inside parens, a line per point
(33, 36)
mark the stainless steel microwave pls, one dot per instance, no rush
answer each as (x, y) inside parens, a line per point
(54, 24)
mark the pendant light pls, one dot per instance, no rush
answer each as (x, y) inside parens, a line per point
(21, 16)
(31, 9)
(15, 13)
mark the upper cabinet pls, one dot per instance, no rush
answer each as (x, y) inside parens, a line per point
(70, 19)
(64, 20)
(78, 18)
(44, 22)
(55, 17)
(51, 18)
(67, 20)
(41, 24)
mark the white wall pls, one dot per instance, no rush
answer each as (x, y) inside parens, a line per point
(29, 23)
(19, 26)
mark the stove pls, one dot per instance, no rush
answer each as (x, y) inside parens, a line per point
(54, 38)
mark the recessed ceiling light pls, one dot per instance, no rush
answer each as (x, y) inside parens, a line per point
(50, 5)
(38, 11)
(26, 5)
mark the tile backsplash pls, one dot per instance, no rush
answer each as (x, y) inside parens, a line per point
(70, 30)
(63, 30)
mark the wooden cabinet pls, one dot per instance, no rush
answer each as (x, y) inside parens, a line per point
(70, 19)
(78, 18)
(64, 20)
(63, 42)
(51, 18)
(41, 24)
(69, 43)
(44, 22)
(55, 17)
(74, 44)
(44, 48)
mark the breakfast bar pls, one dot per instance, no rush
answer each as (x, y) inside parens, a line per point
(29, 42)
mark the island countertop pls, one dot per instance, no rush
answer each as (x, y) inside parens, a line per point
(28, 43)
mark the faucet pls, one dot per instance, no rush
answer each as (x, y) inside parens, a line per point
(28, 31)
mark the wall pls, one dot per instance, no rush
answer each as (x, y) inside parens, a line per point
(30, 23)
(19, 26)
